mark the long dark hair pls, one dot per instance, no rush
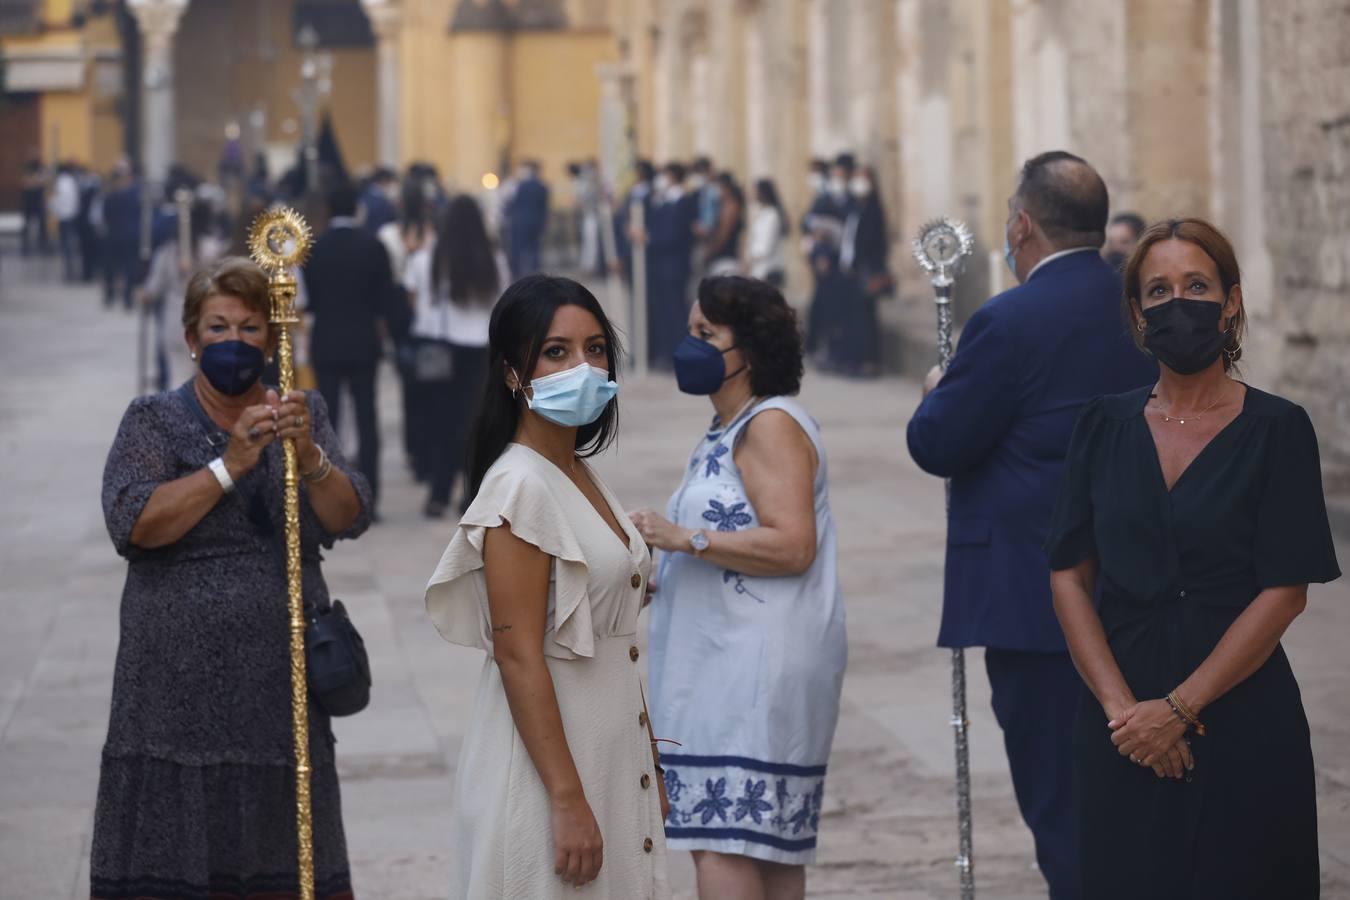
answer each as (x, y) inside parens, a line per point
(464, 255)
(766, 194)
(520, 324)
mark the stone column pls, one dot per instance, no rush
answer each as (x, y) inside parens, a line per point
(386, 20)
(158, 22)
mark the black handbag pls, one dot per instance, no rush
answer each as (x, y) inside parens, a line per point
(336, 664)
(337, 667)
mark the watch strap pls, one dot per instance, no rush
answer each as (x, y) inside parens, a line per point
(218, 469)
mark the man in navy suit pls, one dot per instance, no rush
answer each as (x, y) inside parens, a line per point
(526, 218)
(998, 425)
(670, 248)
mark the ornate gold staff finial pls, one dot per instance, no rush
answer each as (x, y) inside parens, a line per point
(278, 241)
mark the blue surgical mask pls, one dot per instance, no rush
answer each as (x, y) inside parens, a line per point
(232, 367)
(700, 368)
(1008, 255)
(572, 398)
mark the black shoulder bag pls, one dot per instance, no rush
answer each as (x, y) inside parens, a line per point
(336, 664)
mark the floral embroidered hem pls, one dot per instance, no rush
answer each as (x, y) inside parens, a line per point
(732, 804)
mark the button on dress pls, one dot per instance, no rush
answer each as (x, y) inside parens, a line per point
(1175, 569)
(502, 840)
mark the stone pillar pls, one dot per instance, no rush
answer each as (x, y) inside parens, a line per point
(157, 21)
(483, 114)
(386, 20)
(827, 67)
(1040, 77)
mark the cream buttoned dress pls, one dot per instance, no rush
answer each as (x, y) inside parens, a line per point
(502, 844)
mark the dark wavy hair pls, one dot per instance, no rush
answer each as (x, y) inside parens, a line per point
(520, 324)
(464, 256)
(765, 329)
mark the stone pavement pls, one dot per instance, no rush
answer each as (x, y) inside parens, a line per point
(66, 374)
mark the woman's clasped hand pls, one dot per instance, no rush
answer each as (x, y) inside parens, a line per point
(259, 425)
(1151, 735)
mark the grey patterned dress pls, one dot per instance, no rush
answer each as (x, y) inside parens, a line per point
(196, 793)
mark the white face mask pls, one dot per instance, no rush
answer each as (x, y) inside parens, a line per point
(696, 181)
(859, 187)
(838, 187)
(661, 183)
(816, 182)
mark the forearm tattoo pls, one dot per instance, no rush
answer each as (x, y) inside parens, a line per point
(500, 628)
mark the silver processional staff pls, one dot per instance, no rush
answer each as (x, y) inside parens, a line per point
(942, 248)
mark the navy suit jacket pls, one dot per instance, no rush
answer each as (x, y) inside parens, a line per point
(529, 209)
(998, 426)
(670, 238)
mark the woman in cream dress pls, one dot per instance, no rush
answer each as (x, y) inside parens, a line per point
(558, 791)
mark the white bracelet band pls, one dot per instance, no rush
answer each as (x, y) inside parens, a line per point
(217, 467)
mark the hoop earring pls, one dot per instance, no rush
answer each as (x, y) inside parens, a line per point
(1140, 326)
(1233, 354)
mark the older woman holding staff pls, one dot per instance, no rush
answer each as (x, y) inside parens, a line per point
(747, 631)
(1194, 511)
(197, 789)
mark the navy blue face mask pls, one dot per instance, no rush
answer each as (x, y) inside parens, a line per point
(232, 367)
(700, 368)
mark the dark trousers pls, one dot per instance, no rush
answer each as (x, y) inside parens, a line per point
(854, 345)
(68, 234)
(451, 406)
(1035, 698)
(122, 264)
(667, 316)
(525, 256)
(359, 380)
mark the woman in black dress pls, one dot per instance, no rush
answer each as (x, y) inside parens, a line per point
(1195, 512)
(196, 793)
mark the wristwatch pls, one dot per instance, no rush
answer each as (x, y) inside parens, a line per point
(698, 541)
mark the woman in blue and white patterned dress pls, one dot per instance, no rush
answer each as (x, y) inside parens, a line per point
(747, 643)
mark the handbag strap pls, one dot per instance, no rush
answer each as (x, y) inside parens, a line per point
(215, 435)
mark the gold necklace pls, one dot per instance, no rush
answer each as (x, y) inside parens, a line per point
(1179, 419)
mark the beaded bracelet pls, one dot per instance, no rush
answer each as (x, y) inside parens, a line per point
(1184, 713)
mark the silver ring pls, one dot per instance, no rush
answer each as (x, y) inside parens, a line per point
(253, 434)
(299, 421)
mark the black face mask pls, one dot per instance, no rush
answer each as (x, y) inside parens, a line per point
(232, 367)
(1184, 334)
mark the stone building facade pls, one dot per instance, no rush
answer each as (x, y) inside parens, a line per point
(1235, 110)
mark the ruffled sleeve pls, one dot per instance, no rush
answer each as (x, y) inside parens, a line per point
(1072, 538)
(1293, 537)
(517, 495)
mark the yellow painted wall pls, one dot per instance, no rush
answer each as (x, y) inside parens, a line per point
(231, 57)
(67, 127)
(556, 96)
(454, 84)
(57, 12)
(481, 114)
(427, 74)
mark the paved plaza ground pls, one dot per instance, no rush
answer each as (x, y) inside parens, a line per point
(66, 375)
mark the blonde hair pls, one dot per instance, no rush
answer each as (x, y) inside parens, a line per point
(232, 276)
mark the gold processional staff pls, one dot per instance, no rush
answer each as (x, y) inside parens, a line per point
(279, 241)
